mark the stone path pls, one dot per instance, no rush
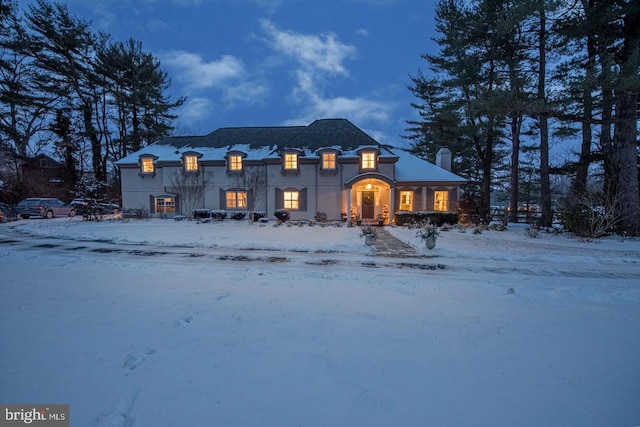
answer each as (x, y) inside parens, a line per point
(388, 245)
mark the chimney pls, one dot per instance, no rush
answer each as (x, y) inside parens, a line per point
(443, 159)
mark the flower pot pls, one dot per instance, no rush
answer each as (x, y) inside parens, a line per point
(369, 239)
(430, 242)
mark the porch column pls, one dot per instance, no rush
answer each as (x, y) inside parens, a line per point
(392, 197)
(349, 205)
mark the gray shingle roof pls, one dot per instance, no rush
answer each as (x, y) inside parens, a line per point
(321, 133)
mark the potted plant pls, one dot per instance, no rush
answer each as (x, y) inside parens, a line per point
(380, 219)
(370, 234)
(428, 233)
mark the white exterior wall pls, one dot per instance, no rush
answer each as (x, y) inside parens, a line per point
(325, 190)
(329, 193)
(139, 187)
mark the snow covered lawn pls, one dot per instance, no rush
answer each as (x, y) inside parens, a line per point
(164, 323)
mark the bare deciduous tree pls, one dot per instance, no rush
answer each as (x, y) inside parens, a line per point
(190, 188)
(254, 180)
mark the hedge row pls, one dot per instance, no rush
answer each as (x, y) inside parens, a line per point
(438, 218)
(219, 215)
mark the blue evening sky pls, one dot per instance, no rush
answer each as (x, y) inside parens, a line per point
(279, 62)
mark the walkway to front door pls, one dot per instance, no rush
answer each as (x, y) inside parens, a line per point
(388, 245)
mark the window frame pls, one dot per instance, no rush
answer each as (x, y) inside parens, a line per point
(411, 196)
(164, 205)
(290, 165)
(368, 160)
(191, 164)
(333, 161)
(442, 203)
(291, 203)
(236, 199)
(147, 161)
(235, 163)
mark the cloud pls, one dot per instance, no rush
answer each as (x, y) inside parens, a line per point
(356, 109)
(198, 74)
(196, 109)
(246, 93)
(323, 53)
(317, 59)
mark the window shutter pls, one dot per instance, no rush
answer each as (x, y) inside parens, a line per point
(250, 201)
(152, 204)
(178, 210)
(279, 199)
(302, 199)
(223, 199)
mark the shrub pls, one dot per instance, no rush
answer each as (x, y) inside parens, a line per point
(321, 217)
(283, 215)
(218, 215)
(238, 215)
(589, 216)
(201, 213)
(419, 217)
(259, 215)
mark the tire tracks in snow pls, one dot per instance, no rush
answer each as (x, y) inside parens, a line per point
(320, 259)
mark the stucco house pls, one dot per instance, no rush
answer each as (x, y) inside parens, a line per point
(329, 166)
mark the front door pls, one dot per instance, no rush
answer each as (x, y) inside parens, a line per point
(368, 204)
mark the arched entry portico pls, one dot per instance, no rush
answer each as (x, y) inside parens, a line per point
(369, 196)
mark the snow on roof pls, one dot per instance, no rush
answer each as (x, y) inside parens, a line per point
(266, 142)
(168, 153)
(412, 168)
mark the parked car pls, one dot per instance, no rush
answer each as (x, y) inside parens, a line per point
(109, 207)
(85, 206)
(46, 207)
(8, 213)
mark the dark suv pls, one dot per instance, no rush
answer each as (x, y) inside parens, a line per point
(7, 213)
(46, 207)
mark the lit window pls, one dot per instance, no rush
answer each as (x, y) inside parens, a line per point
(191, 163)
(147, 165)
(406, 200)
(369, 160)
(235, 163)
(165, 205)
(236, 199)
(441, 201)
(291, 200)
(290, 161)
(328, 160)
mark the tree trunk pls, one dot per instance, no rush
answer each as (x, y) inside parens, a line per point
(582, 171)
(96, 146)
(625, 135)
(514, 192)
(626, 146)
(545, 187)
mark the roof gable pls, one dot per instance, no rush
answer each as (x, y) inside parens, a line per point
(340, 133)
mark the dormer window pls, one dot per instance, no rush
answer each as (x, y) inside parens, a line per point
(146, 165)
(235, 163)
(328, 161)
(291, 161)
(191, 163)
(368, 160)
